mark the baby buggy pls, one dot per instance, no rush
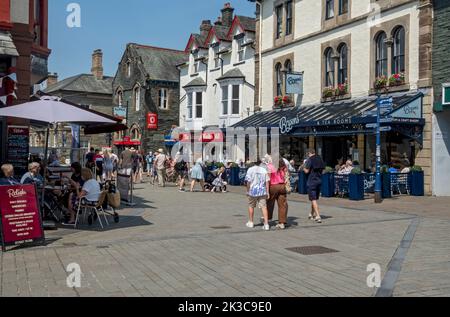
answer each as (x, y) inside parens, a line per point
(215, 181)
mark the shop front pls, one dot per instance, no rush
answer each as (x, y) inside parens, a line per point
(345, 130)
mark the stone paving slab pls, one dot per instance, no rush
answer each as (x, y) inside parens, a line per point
(166, 246)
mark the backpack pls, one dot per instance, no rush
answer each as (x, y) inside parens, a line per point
(180, 166)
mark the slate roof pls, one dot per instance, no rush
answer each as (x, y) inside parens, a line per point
(249, 24)
(232, 73)
(197, 82)
(83, 83)
(160, 63)
(221, 32)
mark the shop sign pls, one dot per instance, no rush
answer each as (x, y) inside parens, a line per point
(287, 125)
(294, 83)
(120, 112)
(20, 217)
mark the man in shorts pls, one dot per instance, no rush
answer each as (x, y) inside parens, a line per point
(314, 166)
(258, 183)
(182, 171)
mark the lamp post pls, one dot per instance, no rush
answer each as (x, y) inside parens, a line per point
(378, 188)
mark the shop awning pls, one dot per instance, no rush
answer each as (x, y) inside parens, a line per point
(407, 110)
(7, 46)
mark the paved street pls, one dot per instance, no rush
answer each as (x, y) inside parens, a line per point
(196, 244)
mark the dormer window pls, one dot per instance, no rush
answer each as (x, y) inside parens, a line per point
(196, 65)
(240, 49)
(216, 50)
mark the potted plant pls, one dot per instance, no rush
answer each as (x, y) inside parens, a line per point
(397, 79)
(328, 92)
(417, 181)
(287, 101)
(342, 89)
(328, 185)
(356, 184)
(380, 82)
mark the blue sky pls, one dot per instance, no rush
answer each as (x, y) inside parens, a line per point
(111, 24)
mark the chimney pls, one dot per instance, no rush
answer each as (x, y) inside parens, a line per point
(205, 28)
(97, 64)
(52, 79)
(227, 14)
(219, 21)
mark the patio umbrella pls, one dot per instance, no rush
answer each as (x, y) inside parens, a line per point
(52, 110)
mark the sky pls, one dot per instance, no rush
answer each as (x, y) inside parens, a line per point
(111, 24)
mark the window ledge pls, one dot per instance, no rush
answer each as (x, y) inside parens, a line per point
(214, 69)
(336, 98)
(389, 89)
(194, 75)
(239, 63)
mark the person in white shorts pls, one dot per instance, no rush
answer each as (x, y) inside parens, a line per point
(258, 181)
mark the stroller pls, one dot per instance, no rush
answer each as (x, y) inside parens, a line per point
(215, 181)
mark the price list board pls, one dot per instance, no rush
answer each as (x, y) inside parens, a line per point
(18, 149)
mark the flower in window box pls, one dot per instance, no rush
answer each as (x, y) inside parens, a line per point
(278, 102)
(328, 92)
(286, 100)
(397, 79)
(381, 82)
(342, 89)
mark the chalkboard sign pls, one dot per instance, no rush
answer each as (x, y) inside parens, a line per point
(18, 149)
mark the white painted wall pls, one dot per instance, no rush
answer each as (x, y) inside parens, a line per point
(20, 11)
(441, 153)
(308, 54)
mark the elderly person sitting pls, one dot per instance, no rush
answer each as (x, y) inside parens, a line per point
(33, 176)
(90, 192)
(8, 179)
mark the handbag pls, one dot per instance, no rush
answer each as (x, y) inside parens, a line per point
(287, 182)
(114, 199)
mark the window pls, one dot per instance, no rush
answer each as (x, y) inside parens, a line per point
(279, 19)
(198, 105)
(137, 98)
(288, 66)
(163, 96)
(216, 50)
(224, 100)
(398, 55)
(289, 17)
(196, 66)
(343, 64)
(128, 69)
(235, 102)
(329, 9)
(241, 49)
(381, 56)
(120, 97)
(329, 68)
(343, 7)
(279, 79)
(189, 105)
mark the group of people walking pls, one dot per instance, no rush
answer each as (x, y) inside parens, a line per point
(269, 185)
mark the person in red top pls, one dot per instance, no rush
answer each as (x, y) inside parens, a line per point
(278, 193)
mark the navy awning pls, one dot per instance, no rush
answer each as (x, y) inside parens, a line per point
(350, 113)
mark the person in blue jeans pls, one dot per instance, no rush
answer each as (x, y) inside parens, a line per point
(314, 167)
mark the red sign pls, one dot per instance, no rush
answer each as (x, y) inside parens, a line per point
(152, 121)
(20, 217)
(126, 139)
(206, 137)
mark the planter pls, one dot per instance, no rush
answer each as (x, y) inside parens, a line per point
(241, 176)
(234, 176)
(386, 185)
(356, 187)
(328, 185)
(417, 181)
(302, 180)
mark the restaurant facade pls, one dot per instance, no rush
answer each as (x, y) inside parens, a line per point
(319, 74)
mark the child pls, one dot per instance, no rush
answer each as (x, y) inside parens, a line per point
(219, 183)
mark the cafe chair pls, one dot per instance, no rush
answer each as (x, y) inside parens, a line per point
(94, 208)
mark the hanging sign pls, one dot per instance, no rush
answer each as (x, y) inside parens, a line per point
(152, 121)
(294, 83)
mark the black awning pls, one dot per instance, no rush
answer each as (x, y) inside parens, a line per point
(352, 112)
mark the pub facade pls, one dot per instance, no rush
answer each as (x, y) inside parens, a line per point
(320, 67)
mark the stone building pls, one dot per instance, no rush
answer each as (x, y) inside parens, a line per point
(339, 55)
(441, 85)
(23, 55)
(146, 87)
(92, 90)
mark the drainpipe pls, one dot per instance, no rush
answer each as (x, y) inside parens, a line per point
(259, 2)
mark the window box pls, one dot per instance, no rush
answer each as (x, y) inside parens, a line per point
(397, 80)
(380, 82)
(282, 102)
(328, 92)
(341, 90)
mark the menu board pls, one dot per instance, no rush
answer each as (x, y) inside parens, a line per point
(20, 218)
(18, 149)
